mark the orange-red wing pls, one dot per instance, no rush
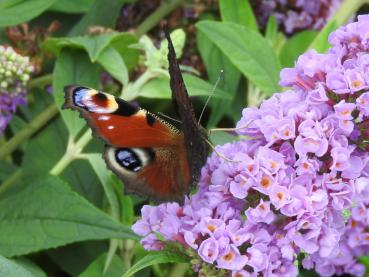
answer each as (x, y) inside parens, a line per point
(118, 122)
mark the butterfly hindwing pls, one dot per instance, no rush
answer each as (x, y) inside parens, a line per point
(147, 153)
(158, 173)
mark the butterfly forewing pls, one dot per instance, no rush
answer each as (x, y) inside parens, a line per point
(147, 153)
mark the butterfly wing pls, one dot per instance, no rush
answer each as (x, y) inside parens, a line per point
(147, 153)
(195, 136)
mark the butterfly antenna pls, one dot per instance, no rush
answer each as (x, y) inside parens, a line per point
(170, 118)
(211, 94)
(220, 155)
(229, 129)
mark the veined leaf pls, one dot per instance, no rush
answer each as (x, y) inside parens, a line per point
(52, 216)
(238, 11)
(10, 268)
(247, 50)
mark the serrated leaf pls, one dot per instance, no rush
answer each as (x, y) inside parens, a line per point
(10, 268)
(16, 12)
(73, 67)
(155, 258)
(159, 88)
(247, 50)
(114, 64)
(52, 216)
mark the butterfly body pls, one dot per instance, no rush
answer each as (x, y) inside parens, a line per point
(152, 157)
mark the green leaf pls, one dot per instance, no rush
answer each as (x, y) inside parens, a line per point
(6, 169)
(75, 258)
(96, 268)
(247, 50)
(215, 61)
(220, 137)
(159, 88)
(122, 44)
(52, 216)
(73, 67)
(271, 30)
(10, 268)
(30, 266)
(102, 13)
(92, 45)
(295, 46)
(158, 257)
(104, 176)
(320, 43)
(238, 11)
(114, 64)
(75, 6)
(16, 12)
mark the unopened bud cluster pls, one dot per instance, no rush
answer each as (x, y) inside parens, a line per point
(15, 72)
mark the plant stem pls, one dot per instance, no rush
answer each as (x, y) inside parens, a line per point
(153, 19)
(346, 10)
(72, 152)
(39, 121)
(12, 178)
(40, 82)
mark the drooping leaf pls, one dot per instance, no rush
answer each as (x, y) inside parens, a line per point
(52, 216)
(238, 11)
(73, 67)
(16, 12)
(247, 50)
(92, 45)
(159, 88)
(10, 268)
(295, 46)
(96, 268)
(157, 257)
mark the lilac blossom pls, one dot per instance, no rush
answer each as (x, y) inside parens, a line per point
(14, 74)
(296, 188)
(295, 15)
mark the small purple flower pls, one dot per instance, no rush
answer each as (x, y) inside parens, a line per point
(209, 250)
(231, 259)
(261, 213)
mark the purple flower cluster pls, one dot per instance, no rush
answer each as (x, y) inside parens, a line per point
(295, 15)
(15, 72)
(296, 187)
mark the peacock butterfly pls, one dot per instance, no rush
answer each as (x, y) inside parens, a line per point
(152, 157)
